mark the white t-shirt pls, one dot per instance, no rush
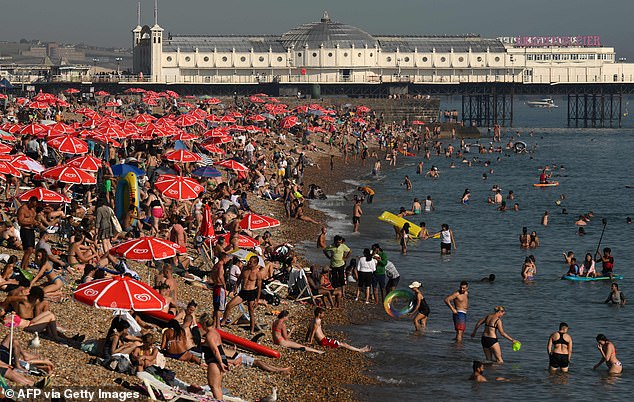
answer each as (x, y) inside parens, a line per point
(363, 265)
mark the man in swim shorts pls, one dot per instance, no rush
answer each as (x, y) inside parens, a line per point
(26, 220)
(316, 333)
(458, 302)
(217, 277)
(250, 281)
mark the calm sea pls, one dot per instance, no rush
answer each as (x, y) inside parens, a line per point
(597, 167)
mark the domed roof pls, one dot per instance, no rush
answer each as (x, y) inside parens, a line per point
(327, 33)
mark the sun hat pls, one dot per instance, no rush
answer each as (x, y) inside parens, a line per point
(415, 284)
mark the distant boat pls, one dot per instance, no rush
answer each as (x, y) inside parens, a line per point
(546, 103)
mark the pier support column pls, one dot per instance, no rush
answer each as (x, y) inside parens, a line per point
(487, 109)
(597, 110)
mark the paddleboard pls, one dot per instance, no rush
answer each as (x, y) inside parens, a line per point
(397, 221)
(127, 194)
(553, 184)
(587, 279)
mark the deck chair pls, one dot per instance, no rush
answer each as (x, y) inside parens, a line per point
(170, 393)
(298, 286)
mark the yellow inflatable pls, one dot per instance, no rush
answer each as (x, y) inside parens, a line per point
(397, 221)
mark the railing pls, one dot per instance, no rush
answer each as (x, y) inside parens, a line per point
(440, 77)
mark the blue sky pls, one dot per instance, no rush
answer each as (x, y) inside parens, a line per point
(108, 22)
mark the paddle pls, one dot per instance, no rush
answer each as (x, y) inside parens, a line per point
(605, 222)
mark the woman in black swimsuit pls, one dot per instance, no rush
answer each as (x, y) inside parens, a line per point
(492, 325)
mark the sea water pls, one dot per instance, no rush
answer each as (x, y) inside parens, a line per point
(594, 168)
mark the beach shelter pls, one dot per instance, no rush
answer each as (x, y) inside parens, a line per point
(44, 195)
(119, 292)
(254, 222)
(178, 187)
(69, 174)
(148, 249)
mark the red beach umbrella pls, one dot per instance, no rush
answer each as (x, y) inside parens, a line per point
(214, 149)
(68, 144)
(244, 241)
(143, 119)
(183, 156)
(104, 139)
(255, 222)
(102, 93)
(38, 105)
(119, 292)
(44, 195)
(72, 91)
(221, 140)
(147, 249)
(418, 123)
(7, 167)
(178, 187)
(69, 174)
(231, 164)
(11, 127)
(27, 164)
(5, 149)
(184, 137)
(289, 122)
(186, 120)
(257, 118)
(86, 162)
(33, 128)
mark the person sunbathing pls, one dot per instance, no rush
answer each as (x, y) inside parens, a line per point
(22, 358)
(174, 343)
(281, 334)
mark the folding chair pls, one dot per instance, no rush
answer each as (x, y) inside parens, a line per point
(298, 285)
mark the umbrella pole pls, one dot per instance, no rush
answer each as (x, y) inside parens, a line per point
(11, 337)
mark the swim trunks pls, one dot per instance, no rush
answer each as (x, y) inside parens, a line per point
(329, 343)
(220, 298)
(460, 321)
(356, 219)
(28, 237)
(248, 295)
(558, 360)
(446, 247)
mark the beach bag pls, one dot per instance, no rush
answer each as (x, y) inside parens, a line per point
(120, 363)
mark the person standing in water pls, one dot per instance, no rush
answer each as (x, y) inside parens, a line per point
(559, 349)
(458, 303)
(408, 183)
(492, 325)
(616, 296)
(422, 308)
(446, 239)
(608, 355)
(356, 214)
